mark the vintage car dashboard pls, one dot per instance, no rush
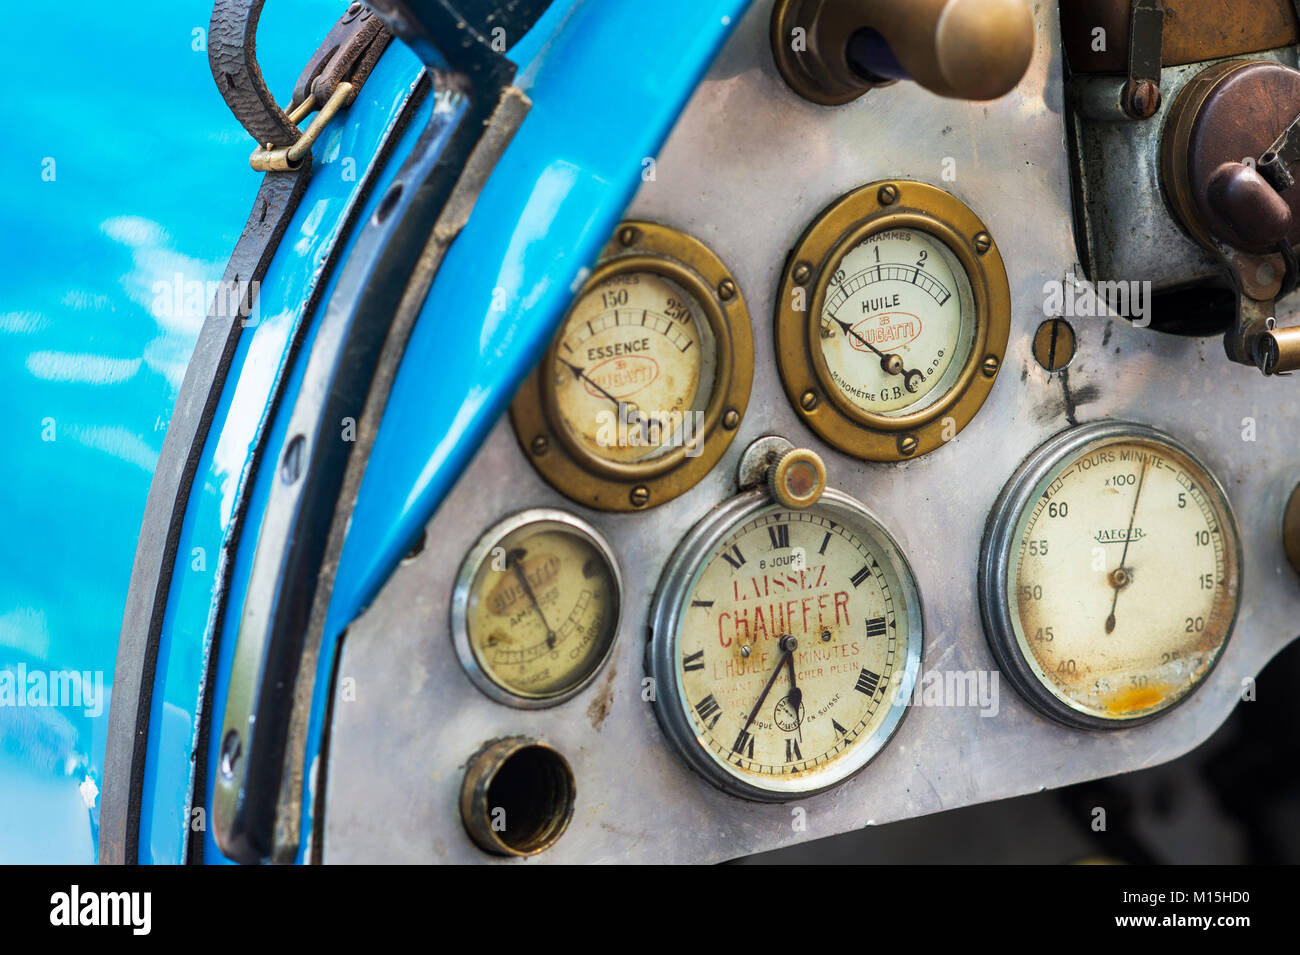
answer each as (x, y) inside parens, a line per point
(890, 460)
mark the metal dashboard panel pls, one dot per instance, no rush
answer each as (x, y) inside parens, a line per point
(748, 166)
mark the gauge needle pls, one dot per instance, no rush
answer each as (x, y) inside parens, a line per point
(1119, 577)
(514, 562)
(796, 695)
(581, 375)
(893, 364)
(788, 645)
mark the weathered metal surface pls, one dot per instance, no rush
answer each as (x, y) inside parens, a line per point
(1131, 233)
(748, 166)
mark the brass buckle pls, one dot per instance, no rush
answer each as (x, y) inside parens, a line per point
(270, 158)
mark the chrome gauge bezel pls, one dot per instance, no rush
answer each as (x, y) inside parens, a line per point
(468, 572)
(1002, 531)
(678, 582)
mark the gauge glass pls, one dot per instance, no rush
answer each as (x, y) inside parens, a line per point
(540, 608)
(898, 292)
(795, 650)
(635, 356)
(1123, 576)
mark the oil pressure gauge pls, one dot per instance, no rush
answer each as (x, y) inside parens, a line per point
(892, 320)
(644, 386)
(535, 610)
(1110, 575)
(785, 638)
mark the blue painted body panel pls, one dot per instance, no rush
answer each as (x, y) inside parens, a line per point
(86, 340)
(114, 182)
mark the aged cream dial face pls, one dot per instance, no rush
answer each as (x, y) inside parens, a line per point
(1123, 578)
(634, 368)
(899, 297)
(542, 610)
(795, 637)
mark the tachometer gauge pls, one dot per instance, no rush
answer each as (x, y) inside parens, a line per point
(1110, 575)
(647, 380)
(785, 643)
(892, 320)
(535, 610)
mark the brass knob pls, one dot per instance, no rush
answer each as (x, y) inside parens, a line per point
(798, 479)
(832, 51)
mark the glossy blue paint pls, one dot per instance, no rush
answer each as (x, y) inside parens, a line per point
(115, 181)
(342, 158)
(545, 213)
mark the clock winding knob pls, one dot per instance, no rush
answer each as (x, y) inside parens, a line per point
(798, 478)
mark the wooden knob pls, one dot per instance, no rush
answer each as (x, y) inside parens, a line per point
(832, 51)
(1257, 216)
(966, 49)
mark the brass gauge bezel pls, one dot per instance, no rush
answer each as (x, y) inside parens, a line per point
(881, 207)
(583, 476)
(539, 518)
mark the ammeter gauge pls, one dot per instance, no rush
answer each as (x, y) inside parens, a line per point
(535, 611)
(892, 320)
(648, 378)
(1110, 575)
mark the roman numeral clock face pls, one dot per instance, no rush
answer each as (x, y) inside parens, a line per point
(794, 642)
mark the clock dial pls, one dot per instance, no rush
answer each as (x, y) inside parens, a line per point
(795, 648)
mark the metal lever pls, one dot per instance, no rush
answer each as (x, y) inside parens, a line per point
(832, 51)
(1141, 96)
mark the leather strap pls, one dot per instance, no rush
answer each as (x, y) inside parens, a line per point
(232, 55)
(348, 52)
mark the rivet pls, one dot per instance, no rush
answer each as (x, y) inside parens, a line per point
(628, 235)
(291, 464)
(808, 400)
(731, 419)
(888, 194)
(540, 445)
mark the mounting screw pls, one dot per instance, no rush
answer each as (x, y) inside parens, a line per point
(628, 235)
(640, 496)
(1141, 99)
(808, 400)
(983, 242)
(802, 273)
(731, 419)
(540, 445)
(907, 445)
(888, 194)
(727, 290)
(990, 366)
